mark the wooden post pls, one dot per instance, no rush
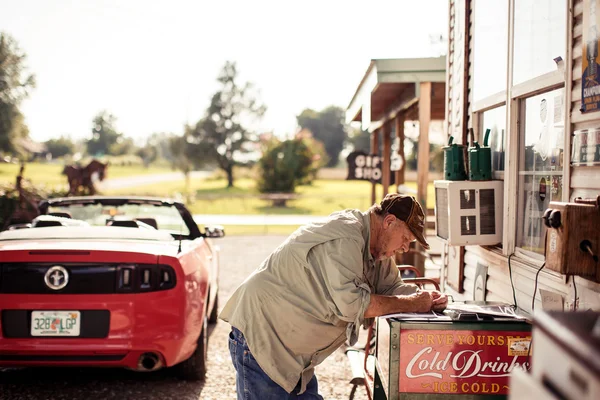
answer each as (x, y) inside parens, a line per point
(387, 151)
(400, 135)
(423, 155)
(375, 151)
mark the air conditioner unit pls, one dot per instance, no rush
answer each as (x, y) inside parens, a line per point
(469, 212)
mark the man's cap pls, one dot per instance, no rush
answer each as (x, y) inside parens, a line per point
(407, 208)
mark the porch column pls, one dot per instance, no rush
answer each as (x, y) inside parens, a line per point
(374, 151)
(423, 154)
(399, 120)
(387, 152)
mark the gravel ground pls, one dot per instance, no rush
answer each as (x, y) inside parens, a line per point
(239, 257)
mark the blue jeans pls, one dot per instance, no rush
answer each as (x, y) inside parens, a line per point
(252, 383)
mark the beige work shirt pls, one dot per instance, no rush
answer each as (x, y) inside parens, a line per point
(309, 295)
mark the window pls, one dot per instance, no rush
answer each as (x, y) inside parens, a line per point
(539, 37)
(495, 121)
(541, 165)
(489, 62)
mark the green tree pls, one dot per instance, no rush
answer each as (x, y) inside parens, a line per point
(104, 134)
(436, 156)
(327, 126)
(319, 155)
(360, 140)
(178, 147)
(15, 84)
(60, 147)
(223, 134)
(284, 165)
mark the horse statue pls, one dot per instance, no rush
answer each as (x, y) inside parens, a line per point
(83, 177)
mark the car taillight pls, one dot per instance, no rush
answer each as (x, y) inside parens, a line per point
(144, 278)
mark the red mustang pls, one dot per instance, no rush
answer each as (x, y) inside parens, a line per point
(106, 281)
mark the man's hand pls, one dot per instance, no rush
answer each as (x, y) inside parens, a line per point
(440, 301)
(422, 301)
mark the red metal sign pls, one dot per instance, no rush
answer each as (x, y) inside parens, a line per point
(459, 361)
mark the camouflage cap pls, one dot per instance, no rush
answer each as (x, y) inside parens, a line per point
(407, 208)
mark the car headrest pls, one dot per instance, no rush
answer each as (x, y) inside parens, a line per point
(127, 223)
(149, 221)
(46, 223)
(60, 214)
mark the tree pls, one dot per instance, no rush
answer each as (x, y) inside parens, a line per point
(178, 146)
(328, 127)
(104, 134)
(15, 85)
(360, 140)
(284, 165)
(319, 155)
(222, 134)
(60, 147)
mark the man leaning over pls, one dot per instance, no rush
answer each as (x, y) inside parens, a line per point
(315, 291)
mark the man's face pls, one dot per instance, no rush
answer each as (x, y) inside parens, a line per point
(395, 236)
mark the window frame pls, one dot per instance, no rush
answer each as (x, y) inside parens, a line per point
(514, 98)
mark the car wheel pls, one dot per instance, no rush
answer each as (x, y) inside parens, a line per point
(194, 368)
(214, 314)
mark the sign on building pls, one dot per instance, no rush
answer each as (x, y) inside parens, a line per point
(367, 167)
(590, 87)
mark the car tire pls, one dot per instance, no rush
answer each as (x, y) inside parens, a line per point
(214, 314)
(194, 368)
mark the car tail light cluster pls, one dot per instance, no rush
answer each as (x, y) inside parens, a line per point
(144, 278)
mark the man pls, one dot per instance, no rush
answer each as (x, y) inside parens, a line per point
(316, 290)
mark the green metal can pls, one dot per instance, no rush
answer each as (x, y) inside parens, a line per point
(480, 160)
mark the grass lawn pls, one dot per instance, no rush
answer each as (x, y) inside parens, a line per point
(213, 197)
(232, 230)
(49, 174)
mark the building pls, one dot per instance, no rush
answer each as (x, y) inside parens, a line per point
(515, 67)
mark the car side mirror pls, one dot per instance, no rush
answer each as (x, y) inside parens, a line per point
(214, 231)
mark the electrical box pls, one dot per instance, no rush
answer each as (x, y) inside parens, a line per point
(573, 241)
(469, 212)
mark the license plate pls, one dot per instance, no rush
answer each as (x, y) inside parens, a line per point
(55, 323)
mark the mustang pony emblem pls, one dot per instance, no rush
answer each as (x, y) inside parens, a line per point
(56, 277)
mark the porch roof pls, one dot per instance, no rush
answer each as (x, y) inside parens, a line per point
(392, 85)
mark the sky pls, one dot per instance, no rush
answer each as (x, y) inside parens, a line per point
(153, 64)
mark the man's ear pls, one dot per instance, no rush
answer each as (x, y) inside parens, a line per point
(388, 220)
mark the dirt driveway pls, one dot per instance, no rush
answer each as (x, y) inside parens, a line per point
(240, 256)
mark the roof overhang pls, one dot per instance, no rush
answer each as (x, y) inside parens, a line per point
(390, 86)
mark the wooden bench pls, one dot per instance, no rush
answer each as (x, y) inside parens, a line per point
(279, 199)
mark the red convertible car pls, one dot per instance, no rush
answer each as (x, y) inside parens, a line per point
(107, 281)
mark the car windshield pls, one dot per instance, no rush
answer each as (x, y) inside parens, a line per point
(164, 217)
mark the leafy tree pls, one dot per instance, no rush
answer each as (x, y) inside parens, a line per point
(15, 85)
(319, 155)
(222, 134)
(60, 147)
(360, 140)
(158, 146)
(104, 134)
(328, 127)
(436, 156)
(122, 146)
(178, 147)
(284, 165)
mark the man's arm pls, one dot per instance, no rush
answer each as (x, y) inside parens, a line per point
(382, 305)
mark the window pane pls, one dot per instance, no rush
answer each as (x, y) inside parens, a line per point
(495, 121)
(541, 168)
(489, 62)
(540, 36)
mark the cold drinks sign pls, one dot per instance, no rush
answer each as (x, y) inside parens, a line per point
(460, 361)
